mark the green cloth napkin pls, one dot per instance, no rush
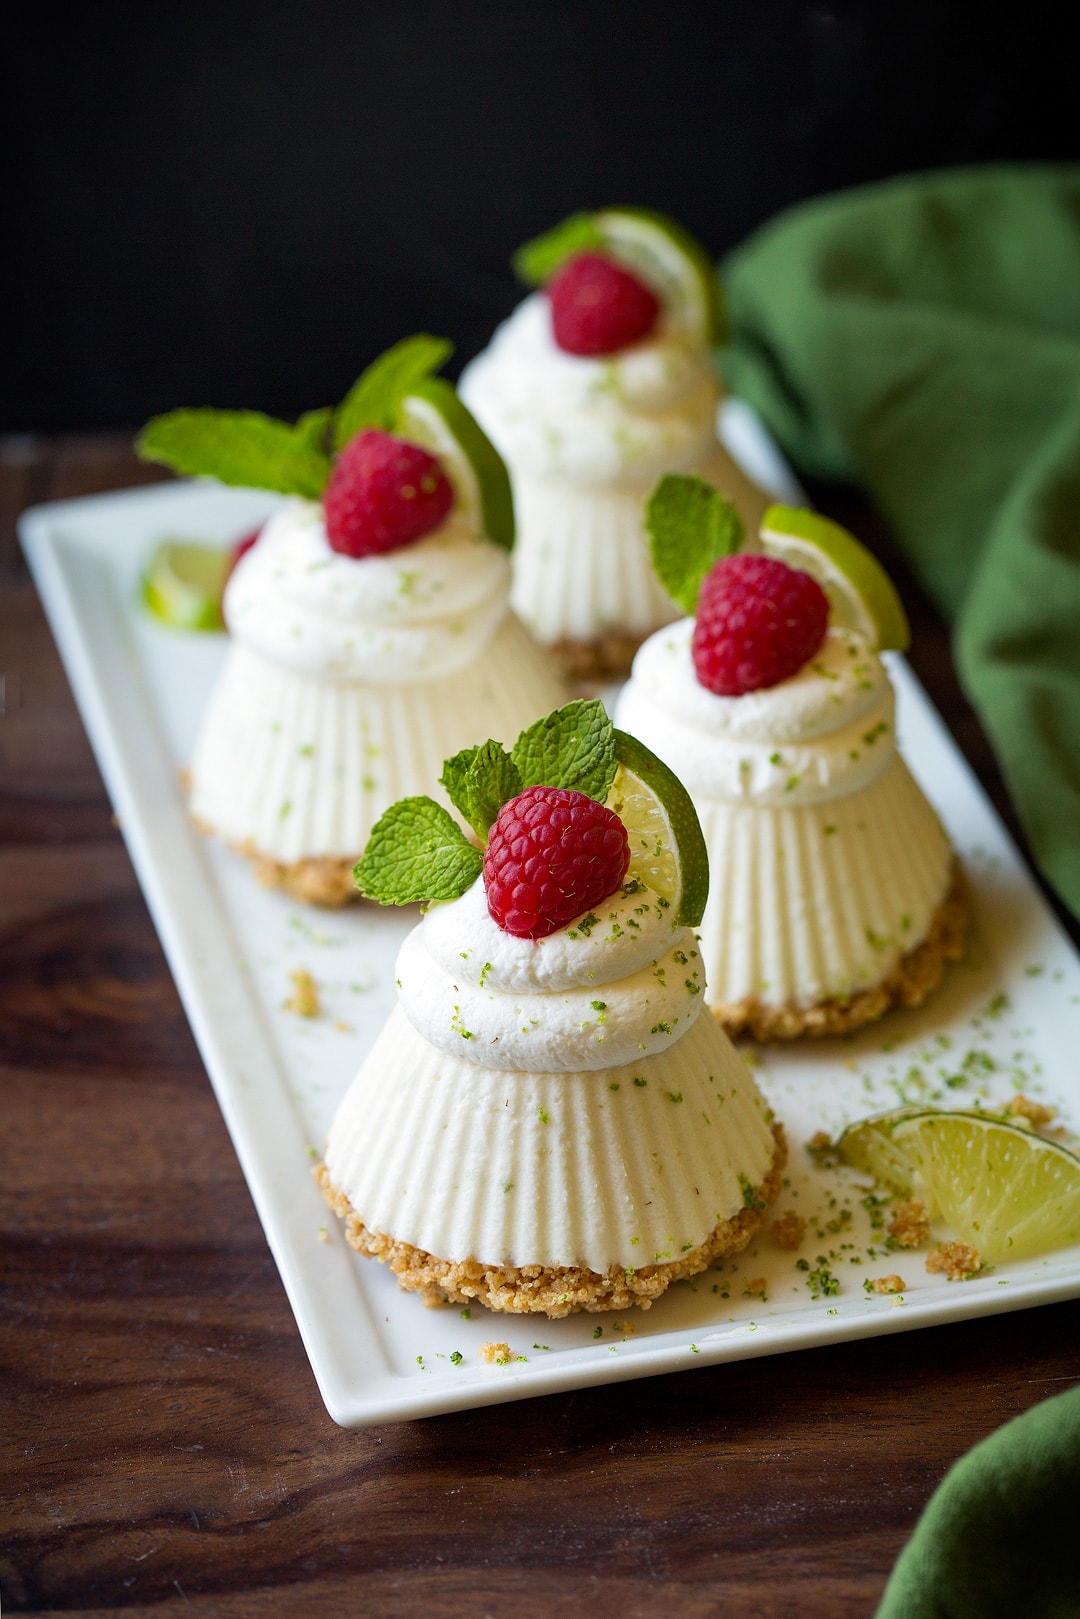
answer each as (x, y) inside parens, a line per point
(996, 1539)
(921, 337)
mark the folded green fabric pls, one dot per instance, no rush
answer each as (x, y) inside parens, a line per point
(921, 337)
(995, 1541)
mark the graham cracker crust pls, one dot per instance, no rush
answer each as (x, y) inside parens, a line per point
(599, 661)
(913, 978)
(323, 880)
(555, 1291)
(320, 880)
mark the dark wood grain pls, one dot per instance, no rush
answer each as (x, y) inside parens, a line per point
(163, 1444)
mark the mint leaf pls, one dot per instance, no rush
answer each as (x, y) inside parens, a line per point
(237, 447)
(314, 427)
(479, 781)
(690, 527)
(537, 261)
(416, 851)
(372, 400)
(573, 747)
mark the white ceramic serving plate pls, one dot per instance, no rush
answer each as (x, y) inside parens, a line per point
(1008, 1019)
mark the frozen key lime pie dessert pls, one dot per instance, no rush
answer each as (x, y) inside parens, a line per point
(547, 1122)
(835, 892)
(370, 626)
(598, 383)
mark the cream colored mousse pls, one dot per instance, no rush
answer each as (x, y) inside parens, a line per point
(347, 683)
(834, 890)
(551, 1125)
(585, 441)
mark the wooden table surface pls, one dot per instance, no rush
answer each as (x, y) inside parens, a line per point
(164, 1447)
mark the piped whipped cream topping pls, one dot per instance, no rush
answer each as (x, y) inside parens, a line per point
(828, 730)
(628, 417)
(620, 983)
(417, 613)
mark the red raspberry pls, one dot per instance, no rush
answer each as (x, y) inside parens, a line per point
(597, 307)
(758, 621)
(383, 493)
(552, 854)
(240, 548)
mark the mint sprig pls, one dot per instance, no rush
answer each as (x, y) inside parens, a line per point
(416, 851)
(373, 399)
(690, 527)
(245, 447)
(240, 447)
(573, 747)
(537, 261)
(479, 781)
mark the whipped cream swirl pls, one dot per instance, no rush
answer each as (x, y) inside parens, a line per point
(828, 730)
(626, 417)
(418, 613)
(620, 983)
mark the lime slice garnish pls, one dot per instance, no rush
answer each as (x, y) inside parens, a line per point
(675, 266)
(433, 416)
(1001, 1187)
(667, 849)
(861, 595)
(183, 584)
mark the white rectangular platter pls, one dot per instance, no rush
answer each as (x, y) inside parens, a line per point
(1006, 1020)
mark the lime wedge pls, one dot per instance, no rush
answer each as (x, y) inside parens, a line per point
(1005, 1190)
(861, 594)
(1002, 1188)
(674, 265)
(667, 849)
(183, 584)
(432, 415)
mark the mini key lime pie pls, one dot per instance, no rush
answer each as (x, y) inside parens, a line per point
(546, 1122)
(370, 626)
(599, 382)
(835, 892)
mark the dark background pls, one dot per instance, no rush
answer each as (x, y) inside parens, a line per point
(241, 204)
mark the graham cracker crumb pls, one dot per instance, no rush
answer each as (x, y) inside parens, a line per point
(887, 1284)
(915, 975)
(821, 1149)
(304, 1000)
(788, 1231)
(957, 1260)
(1022, 1107)
(909, 1225)
(556, 1291)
